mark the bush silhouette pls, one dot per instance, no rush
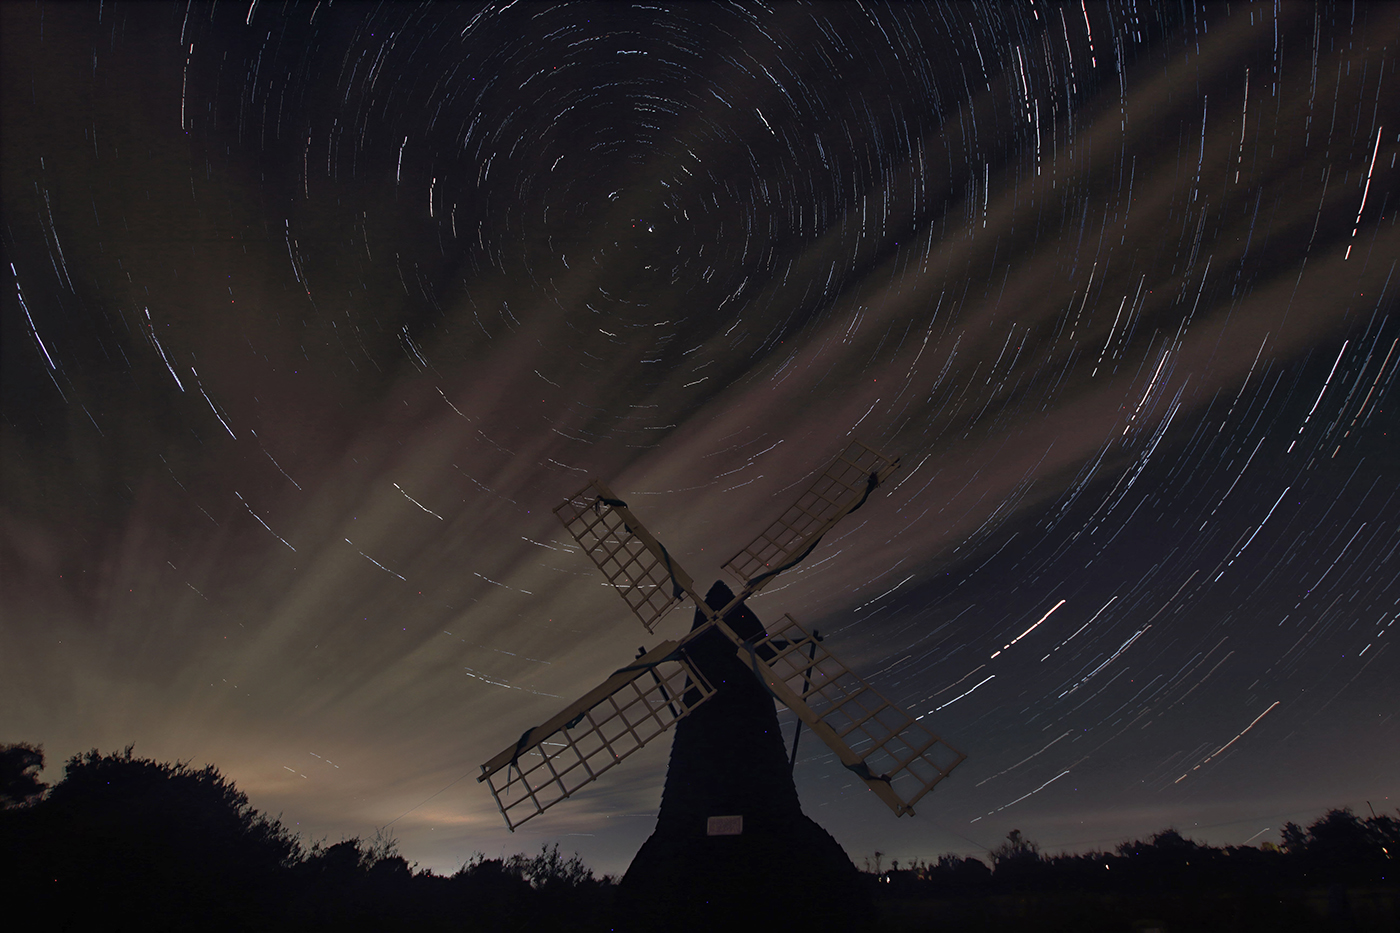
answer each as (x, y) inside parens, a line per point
(1016, 848)
(1017, 861)
(20, 765)
(1342, 847)
(125, 836)
(133, 843)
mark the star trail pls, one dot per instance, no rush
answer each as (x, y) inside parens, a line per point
(314, 312)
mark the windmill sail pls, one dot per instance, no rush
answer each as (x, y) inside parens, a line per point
(895, 755)
(594, 733)
(838, 491)
(630, 558)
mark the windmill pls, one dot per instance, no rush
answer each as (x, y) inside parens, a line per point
(729, 809)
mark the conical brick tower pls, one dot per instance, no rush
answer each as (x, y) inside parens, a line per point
(728, 760)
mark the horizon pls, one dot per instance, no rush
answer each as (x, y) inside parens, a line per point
(864, 862)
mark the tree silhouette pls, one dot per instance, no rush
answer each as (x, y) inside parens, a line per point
(1015, 850)
(128, 842)
(1342, 847)
(959, 874)
(20, 765)
(1293, 839)
(133, 843)
(169, 843)
(1017, 861)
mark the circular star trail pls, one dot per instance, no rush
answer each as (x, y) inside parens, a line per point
(314, 313)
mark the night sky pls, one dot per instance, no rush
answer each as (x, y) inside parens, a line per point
(314, 312)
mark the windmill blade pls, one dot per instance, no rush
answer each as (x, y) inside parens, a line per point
(895, 755)
(631, 560)
(594, 733)
(837, 492)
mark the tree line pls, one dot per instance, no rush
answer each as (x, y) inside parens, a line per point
(127, 841)
(1337, 874)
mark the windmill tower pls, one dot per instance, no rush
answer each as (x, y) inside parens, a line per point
(731, 842)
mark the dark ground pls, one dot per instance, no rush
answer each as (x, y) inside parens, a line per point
(153, 846)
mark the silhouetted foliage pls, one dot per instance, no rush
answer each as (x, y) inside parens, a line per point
(1017, 861)
(1016, 848)
(125, 835)
(20, 765)
(1343, 847)
(133, 843)
(549, 868)
(1293, 838)
(1339, 873)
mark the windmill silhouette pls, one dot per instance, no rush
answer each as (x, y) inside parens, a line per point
(730, 820)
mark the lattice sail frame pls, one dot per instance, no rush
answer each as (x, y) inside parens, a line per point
(840, 489)
(595, 733)
(631, 560)
(898, 757)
